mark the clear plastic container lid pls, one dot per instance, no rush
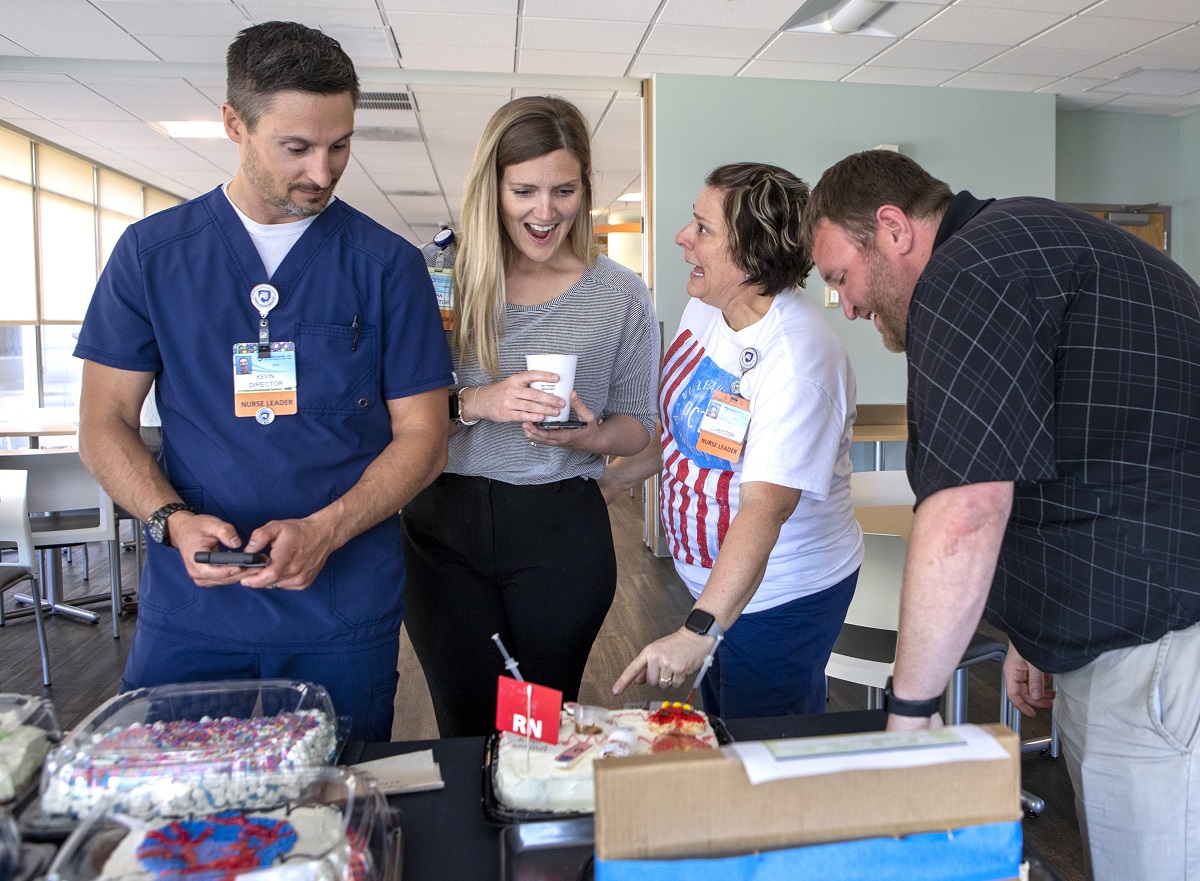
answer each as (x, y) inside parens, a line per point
(28, 727)
(338, 827)
(10, 845)
(175, 749)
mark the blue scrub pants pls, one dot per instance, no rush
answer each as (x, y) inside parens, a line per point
(772, 663)
(361, 681)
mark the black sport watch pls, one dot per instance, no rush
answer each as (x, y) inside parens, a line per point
(158, 521)
(901, 707)
(702, 622)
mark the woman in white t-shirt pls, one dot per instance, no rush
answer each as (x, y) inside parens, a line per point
(756, 410)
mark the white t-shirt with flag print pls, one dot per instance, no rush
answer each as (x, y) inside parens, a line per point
(801, 394)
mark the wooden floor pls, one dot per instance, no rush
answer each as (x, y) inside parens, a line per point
(86, 665)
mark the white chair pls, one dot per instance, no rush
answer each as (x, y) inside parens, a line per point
(865, 650)
(68, 507)
(14, 527)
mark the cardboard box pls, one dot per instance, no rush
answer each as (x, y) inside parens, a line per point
(702, 804)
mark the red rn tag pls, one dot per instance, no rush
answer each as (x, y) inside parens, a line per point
(525, 708)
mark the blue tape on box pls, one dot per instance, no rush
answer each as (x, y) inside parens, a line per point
(973, 853)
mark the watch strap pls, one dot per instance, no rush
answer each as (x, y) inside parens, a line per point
(158, 521)
(901, 707)
(458, 404)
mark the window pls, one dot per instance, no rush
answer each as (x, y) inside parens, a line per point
(60, 218)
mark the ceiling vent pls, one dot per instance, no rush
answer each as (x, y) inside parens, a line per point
(385, 101)
(386, 133)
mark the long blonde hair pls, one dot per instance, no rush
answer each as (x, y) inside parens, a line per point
(521, 130)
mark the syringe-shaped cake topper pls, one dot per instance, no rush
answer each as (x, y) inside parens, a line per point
(708, 659)
(511, 663)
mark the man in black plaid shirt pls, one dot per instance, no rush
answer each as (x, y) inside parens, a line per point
(1054, 449)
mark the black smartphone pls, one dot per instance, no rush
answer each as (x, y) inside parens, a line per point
(550, 426)
(232, 558)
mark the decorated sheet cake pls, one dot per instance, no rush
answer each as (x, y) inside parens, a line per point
(530, 775)
(27, 728)
(338, 828)
(202, 747)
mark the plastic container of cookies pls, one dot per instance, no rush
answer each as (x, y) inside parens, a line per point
(337, 827)
(28, 728)
(197, 747)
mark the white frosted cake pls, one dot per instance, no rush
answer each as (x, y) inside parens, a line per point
(180, 767)
(532, 775)
(300, 844)
(22, 749)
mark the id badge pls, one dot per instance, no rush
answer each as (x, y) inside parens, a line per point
(724, 425)
(264, 387)
(443, 286)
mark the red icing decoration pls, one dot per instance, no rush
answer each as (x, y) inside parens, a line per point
(217, 848)
(675, 718)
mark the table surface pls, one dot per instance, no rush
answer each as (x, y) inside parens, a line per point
(897, 431)
(445, 834)
(34, 423)
(886, 519)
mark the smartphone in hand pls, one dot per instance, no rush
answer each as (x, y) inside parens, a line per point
(232, 558)
(551, 426)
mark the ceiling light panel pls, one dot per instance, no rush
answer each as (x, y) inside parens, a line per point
(1157, 83)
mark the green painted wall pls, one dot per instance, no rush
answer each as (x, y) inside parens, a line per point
(1185, 220)
(992, 143)
(1135, 159)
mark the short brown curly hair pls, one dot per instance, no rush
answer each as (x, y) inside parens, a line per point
(763, 205)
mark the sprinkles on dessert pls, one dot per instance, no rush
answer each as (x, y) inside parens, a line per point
(188, 765)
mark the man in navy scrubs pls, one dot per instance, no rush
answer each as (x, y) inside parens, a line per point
(309, 455)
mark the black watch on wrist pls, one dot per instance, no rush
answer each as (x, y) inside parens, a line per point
(901, 707)
(455, 407)
(157, 521)
(703, 623)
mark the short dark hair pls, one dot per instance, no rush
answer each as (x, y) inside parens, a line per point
(763, 205)
(851, 191)
(276, 56)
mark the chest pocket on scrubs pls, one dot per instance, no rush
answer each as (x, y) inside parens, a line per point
(336, 368)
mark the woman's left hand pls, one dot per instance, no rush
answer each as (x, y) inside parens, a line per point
(586, 438)
(667, 662)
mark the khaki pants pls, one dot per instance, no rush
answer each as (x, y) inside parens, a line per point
(1129, 723)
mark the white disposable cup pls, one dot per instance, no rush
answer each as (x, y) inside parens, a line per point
(564, 366)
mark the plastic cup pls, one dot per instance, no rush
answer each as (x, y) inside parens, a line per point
(564, 366)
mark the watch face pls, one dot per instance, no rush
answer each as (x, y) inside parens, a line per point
(699, 621)
(156, 529)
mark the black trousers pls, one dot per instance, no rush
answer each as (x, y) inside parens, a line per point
(532, 563)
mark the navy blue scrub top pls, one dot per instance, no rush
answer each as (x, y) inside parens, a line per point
(174, 298)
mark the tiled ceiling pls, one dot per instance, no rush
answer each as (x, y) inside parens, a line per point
(90, 75)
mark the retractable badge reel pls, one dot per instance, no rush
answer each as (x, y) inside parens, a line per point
(725, 423)
(264, 373)
(443, 278)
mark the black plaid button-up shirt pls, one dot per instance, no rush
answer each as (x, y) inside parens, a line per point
(1049, 348)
